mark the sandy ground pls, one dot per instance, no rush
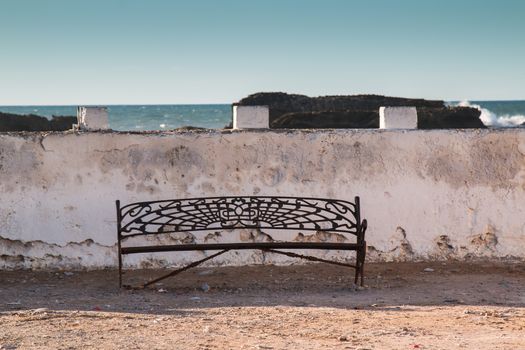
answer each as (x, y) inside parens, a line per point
(457, 305)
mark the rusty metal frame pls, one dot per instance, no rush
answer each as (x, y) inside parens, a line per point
(251, 212)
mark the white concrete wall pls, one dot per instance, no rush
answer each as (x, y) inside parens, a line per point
(426, 194)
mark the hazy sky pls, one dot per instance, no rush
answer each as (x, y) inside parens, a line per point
(218, 51)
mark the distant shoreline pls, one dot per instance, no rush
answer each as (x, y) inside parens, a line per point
(215, 116)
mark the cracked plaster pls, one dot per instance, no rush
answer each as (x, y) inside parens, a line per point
(442, 194)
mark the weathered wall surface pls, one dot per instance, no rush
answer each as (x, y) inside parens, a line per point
(426, 194)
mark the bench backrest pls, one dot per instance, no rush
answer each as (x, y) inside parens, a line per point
(212, 213)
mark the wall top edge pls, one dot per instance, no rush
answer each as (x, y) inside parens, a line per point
(199, 131)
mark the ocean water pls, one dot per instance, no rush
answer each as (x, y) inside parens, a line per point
(146, 117)
(216, 116)
(498, 114)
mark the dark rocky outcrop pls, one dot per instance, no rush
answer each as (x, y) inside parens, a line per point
(32, 122)
(357, 111)
(327, 119)
(449, 118)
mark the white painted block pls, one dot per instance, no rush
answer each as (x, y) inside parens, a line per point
(251, 117)
(92, 118)
(397, 118)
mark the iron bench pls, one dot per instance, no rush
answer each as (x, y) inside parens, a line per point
(260, 213)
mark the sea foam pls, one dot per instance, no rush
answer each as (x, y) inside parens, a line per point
(490, 118)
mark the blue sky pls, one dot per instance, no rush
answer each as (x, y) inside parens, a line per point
(211, 51)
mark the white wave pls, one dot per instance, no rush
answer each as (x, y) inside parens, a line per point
(489, 118)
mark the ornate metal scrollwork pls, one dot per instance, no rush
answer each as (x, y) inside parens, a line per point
(200, 214)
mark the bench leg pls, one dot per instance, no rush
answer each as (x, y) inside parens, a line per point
(119, 270)
(357, 267)
(360, 265)
(362, 269)
(119, 252)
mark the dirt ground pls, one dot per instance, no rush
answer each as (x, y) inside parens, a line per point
(403, 306)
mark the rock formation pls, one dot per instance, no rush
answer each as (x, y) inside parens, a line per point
(32, 122)
(357, 111)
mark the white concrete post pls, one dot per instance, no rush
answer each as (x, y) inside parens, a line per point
(92, 118)
(397, 118)
(251, 117)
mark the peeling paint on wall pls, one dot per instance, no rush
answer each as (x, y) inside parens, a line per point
(17, 254)
(492, 161)
(441, 194)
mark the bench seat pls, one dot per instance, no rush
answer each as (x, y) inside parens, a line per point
(236, 246)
